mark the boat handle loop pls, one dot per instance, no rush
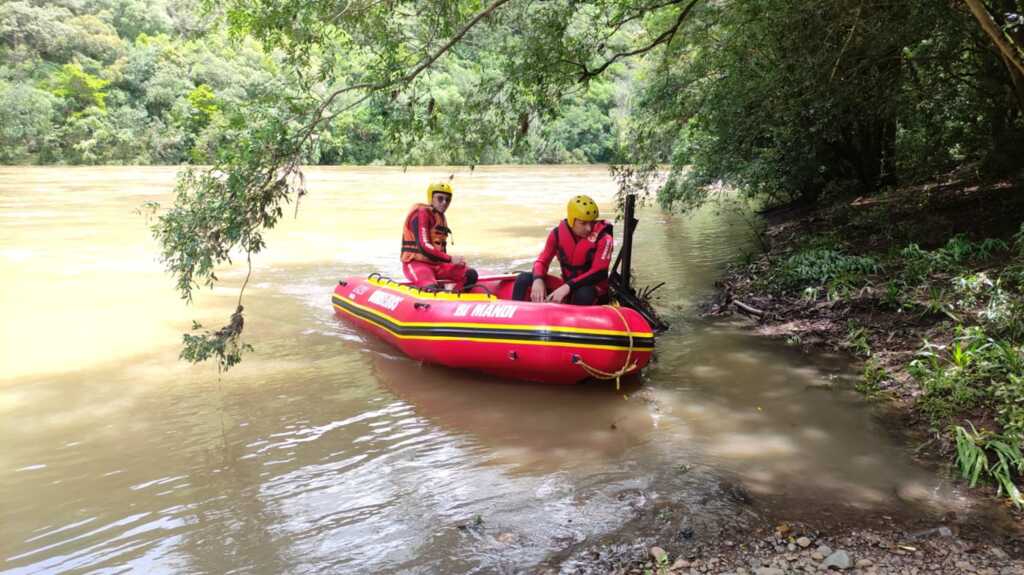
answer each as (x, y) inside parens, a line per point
(627, 367)
(421, 305)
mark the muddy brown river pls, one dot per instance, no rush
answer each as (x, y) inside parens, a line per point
(324, 452)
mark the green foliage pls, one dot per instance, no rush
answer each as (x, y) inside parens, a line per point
(817, 267)
(872, 377)
(27, 29)
(223, 345)
(918, 264)
(232, 204)
(984, 455)
(26, 119)
(204, 104)
(857, 339)
(787, 100)
(972, 370)
(79, 88)
(161, 57)
(893, 296)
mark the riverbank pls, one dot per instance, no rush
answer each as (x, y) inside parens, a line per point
(800, 548)
(923, 286)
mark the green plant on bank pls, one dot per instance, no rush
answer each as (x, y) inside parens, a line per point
(810, 293)
(822, 267)
(919, 264)
(1004, 313)
(661, 566)
(935, 303)
(971, 288)
(893, 295)
(977, 370)
(982, 454)
(954, 377)
(857, 339)
(872, 377)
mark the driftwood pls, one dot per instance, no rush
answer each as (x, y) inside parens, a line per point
(724, 300)
(747, 309)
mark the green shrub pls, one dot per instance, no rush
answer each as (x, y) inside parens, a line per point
(984, 455)
(974, 369)
(872, 377)
(959, 251)
(857, 339)
(830, 268)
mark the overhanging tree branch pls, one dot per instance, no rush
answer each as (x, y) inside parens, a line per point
(1013, 56)
(663, 38)
(427, 62)
(231, 204)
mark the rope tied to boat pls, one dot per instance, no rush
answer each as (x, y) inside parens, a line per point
(627, 367)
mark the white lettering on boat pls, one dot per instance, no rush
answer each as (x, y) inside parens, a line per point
(360, 290)
(461, 310)
(494, 310)
(385, 300)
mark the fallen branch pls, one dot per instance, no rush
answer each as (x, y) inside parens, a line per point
(748, 309)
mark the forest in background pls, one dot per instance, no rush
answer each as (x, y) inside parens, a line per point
(154, 82)
(781, 99)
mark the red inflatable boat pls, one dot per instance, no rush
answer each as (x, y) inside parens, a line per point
(487, 331)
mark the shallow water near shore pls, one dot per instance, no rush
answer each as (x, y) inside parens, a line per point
(326, 452)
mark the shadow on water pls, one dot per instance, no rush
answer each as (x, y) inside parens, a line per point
(535, 428)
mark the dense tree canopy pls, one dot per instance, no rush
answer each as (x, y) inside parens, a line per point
(791, 99)
(99, 73)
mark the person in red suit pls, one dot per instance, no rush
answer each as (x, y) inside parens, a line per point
(583, 245)
(425, 258)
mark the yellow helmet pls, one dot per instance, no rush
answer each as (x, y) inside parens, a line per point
(438, 187)
(581, 208)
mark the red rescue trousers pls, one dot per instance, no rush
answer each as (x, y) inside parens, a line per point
(423, 274)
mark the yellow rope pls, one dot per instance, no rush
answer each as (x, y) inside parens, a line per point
(626, 367)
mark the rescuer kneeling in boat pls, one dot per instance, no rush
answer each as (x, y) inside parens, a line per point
(425, 258)
(584, 246)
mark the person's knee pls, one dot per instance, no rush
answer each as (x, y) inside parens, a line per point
(586, 295)
(522, 286)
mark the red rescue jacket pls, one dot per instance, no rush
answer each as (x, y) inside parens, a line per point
(584, 261)
(425, 236)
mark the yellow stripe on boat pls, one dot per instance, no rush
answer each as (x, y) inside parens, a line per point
(563, 329)
(491, 340)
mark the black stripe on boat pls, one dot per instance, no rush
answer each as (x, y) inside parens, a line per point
(641, 342)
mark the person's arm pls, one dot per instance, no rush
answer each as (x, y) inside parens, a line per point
(598, 271)
(539, 290)
(422, 222)
(540, 267)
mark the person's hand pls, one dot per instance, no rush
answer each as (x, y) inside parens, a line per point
(539, 291)
(559, 294)
(459, 260)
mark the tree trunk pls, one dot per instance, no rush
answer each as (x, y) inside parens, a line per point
(1013, 56)
(1018, 83)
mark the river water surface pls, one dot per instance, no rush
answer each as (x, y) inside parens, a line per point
(324, 452)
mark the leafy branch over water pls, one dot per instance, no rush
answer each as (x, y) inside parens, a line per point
(225, 209)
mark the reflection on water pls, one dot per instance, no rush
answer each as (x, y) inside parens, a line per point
(324, 452)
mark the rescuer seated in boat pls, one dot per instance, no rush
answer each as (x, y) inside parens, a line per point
(583, 245)
(425, 258)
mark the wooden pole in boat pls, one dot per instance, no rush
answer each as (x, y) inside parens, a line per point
(626, 253)
(619, 278)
